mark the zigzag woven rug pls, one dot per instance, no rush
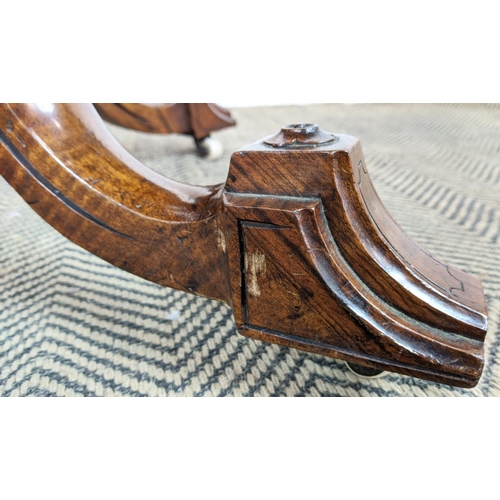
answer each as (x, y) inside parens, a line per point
(72, 325)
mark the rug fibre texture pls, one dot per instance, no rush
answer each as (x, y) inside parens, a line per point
(72, 324)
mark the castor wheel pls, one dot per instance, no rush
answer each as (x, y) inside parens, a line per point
(209, 148)
(365, 371)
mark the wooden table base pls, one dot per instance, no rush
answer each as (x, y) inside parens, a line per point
(296, 241)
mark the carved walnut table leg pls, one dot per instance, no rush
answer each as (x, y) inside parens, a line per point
(296, 241)
(196, 119)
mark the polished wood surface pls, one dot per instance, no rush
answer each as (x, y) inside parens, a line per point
(316, 252)
(197, 119)
(67, 165)
(297, 241)
(390, 263)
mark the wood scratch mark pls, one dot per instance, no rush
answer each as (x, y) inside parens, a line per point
(255, 267)
(221, 241)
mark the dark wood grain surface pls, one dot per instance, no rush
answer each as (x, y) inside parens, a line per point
(67, 165)
(300, 244)
(197, 119)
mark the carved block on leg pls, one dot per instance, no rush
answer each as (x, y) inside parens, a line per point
(318, 264)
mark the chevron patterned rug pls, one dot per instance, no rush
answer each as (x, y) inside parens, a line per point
(73, 325)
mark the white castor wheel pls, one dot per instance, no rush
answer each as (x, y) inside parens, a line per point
(210, 148)
(365, 371)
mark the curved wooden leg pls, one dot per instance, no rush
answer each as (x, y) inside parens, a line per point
(196, 119)
(297, 240)
(66, 164)
(152, 118)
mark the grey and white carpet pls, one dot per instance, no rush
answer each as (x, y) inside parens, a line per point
(72, 325)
